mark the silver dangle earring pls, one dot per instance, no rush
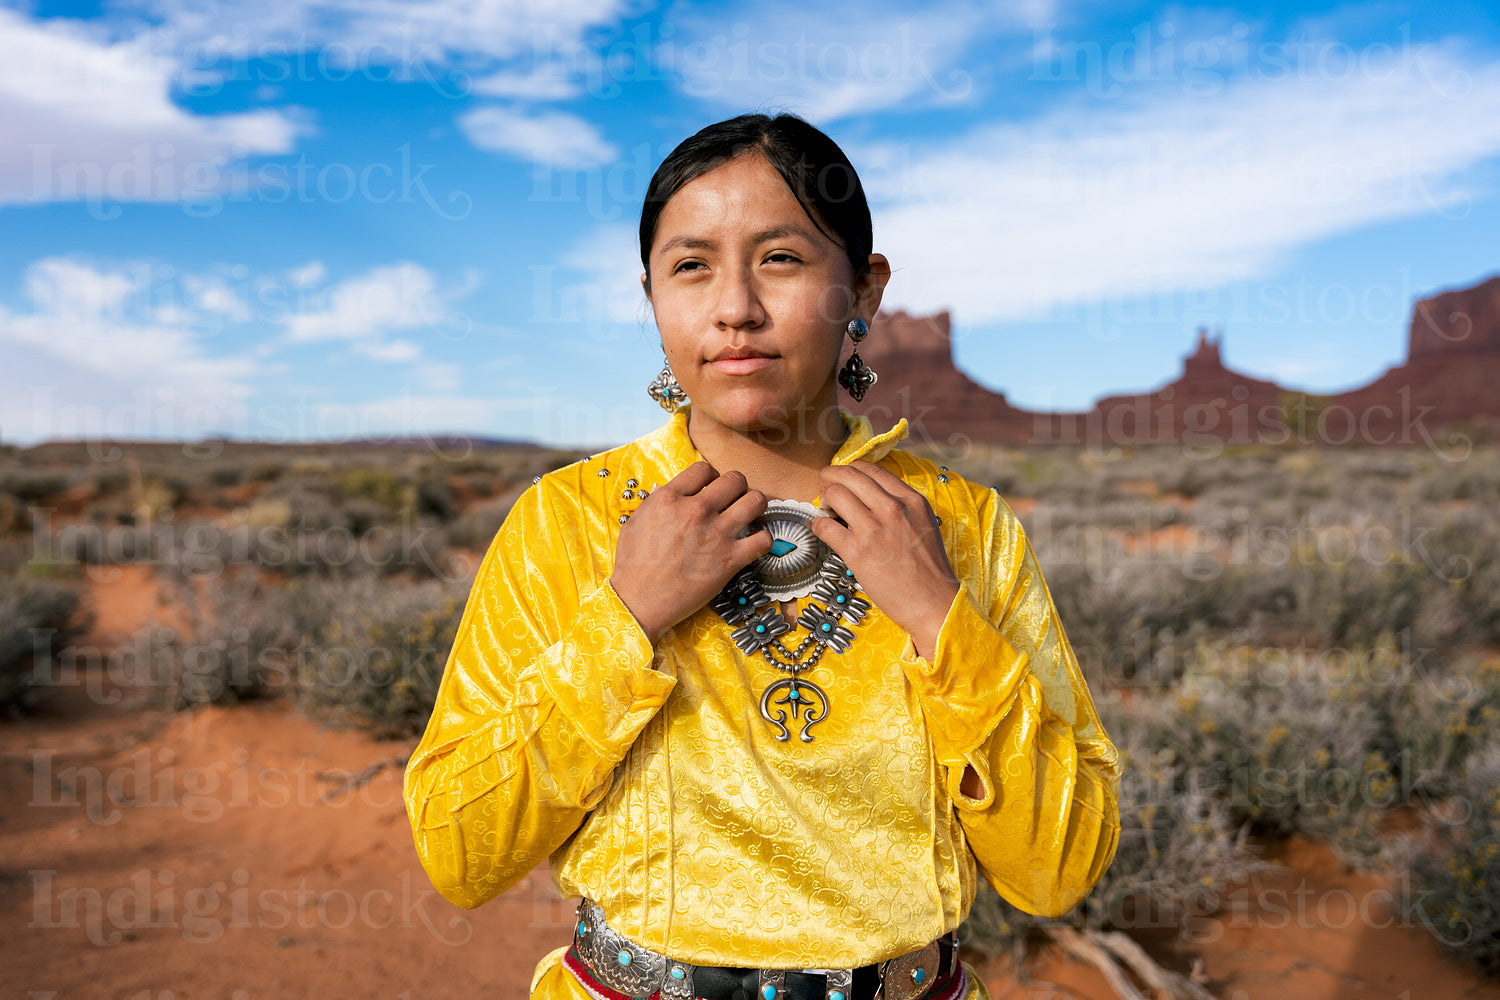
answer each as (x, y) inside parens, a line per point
(856, 376)
(664, 388)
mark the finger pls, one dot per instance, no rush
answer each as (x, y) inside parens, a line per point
(747, 508)
(848, 506)
(890, 482)
(750, 548)
(692, 479)
(833, 534)
(871, 492)
(725, 490)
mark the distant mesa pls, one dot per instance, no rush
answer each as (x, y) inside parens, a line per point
(1454, 323)
(1446, 392)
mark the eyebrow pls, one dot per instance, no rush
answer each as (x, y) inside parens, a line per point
(764, 236)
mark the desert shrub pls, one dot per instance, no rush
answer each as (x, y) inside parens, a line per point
(1434, 719)
(312, 502)
(15, 516)
(1333, 582)
(1285, 749)
(1342, 603)
(364, 514)
(234, 643)
(1323, 742)
(481, 483)
(31, 487)
(1180, 849)
(262, 539)
(1476, 477)
(435, 497)
(383, 486)
(1133, 513)
(373, 651)
(1137, 622)
(1464, 554)
(266, 471)
(36, 615)
(1263, 743)
(1455, 876)
(108, 481)
(98, 543)
(476, 527)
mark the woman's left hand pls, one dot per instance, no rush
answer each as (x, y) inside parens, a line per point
(890, 539)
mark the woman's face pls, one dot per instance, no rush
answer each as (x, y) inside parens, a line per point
(752, 299)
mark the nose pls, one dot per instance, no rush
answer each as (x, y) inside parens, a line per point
(737, 305)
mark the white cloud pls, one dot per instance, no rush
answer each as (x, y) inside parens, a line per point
(830, 62)
(401, 296)
(436, 376)
(394, 351)
(1171, 191)
(554, 138)
(309, 274)
(87, 362)
(607, 263)
(65, 288)
(86, 110)
(412, 35)
(132, 349)
(83, 117)
(214, 296)
(550, 83)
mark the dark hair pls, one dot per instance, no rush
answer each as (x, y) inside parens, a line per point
(813, 166)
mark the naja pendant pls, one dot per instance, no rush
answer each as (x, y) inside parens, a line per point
(800, 697)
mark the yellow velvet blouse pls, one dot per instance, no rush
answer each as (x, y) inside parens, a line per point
(650, 779)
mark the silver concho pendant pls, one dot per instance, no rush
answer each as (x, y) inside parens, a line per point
(799, 696)
(791, 569)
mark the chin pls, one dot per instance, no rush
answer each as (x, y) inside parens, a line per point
(759, 417)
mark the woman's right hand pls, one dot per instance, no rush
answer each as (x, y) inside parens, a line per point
(682, 544)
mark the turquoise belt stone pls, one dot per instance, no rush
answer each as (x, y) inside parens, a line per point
(620, 964)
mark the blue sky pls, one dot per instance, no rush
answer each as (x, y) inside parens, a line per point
(309, 220)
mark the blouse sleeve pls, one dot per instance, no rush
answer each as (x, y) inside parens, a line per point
(1003, 694)
(548, 684)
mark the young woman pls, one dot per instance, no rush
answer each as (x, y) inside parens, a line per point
(768, 691)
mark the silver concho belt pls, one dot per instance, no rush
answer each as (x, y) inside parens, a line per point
(626, 967)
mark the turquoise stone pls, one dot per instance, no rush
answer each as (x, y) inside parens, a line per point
(842, 598)
(583, 928)
(918, 975)
(781, 547)
(792, 694)
(769, 992)
(826, 627)
(835, 995)
(760, 628)
(678, 973)
(624, 957)
(744, 600)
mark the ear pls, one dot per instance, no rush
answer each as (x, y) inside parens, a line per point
(870, 286)
(646, 285)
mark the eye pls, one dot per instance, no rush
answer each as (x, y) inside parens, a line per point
(783, 257)
(688, 265)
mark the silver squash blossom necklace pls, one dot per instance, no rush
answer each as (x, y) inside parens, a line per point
(798, 565)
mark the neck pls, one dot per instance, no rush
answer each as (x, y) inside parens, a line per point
(784, 461)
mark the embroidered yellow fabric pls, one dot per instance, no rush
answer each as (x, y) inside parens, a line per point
(655, 787)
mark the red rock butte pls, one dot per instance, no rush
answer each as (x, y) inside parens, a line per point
(1445, 393)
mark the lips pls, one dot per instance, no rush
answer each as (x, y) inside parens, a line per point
(740, 360)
